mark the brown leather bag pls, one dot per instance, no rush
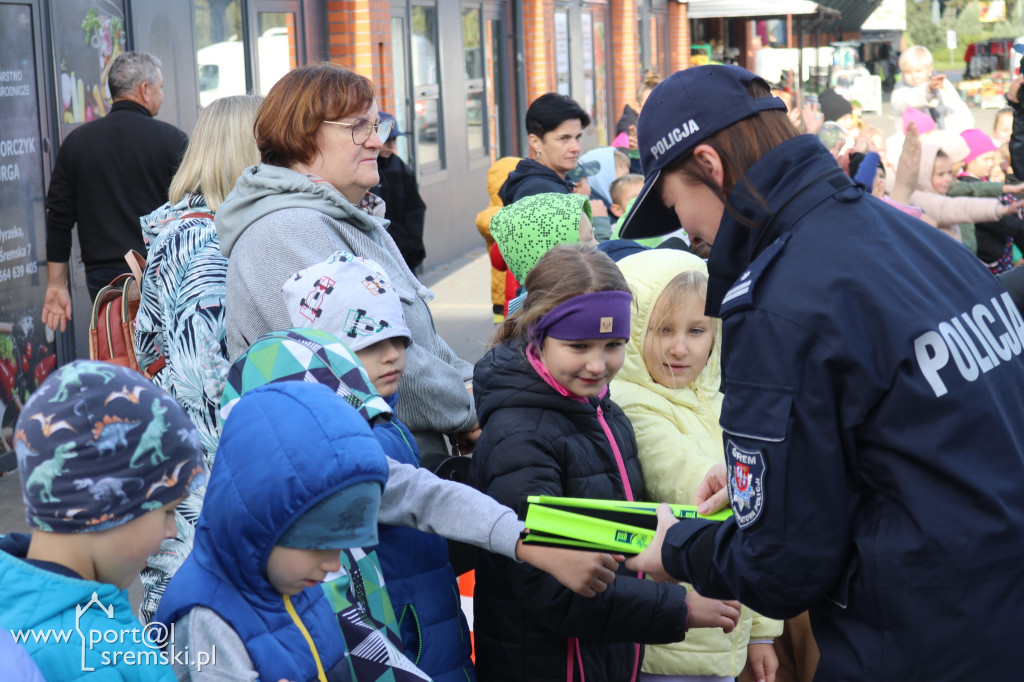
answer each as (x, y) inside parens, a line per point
(112, 326)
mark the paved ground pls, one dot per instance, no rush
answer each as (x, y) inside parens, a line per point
(462, 313)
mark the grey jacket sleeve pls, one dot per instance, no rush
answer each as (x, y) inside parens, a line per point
(201, 630)
(417, 498)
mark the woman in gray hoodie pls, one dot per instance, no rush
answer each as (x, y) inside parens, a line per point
(319, 134)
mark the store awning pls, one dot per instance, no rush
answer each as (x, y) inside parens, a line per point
(709, 9)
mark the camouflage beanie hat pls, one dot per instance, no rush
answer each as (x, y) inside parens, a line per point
(528, 228)
(99, 445)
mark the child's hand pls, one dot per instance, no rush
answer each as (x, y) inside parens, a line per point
(1013, 208)
(711, 613)
(1014, 90)
(713, 493)
(812, 117)
(935, 82)
(907, 167)
(1013, 189)
(762, 662)
(585, 573)
(632, 138)
(649, 560)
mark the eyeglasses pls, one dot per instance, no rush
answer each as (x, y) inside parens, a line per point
(362, 129)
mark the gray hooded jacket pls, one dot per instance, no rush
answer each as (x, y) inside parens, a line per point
(276, 222)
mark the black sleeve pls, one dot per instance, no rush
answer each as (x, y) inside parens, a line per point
(60, 205)
(1013, 280)
(1017, 140)
(630, 610)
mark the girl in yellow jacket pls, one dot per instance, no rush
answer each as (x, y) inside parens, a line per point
(668, 387)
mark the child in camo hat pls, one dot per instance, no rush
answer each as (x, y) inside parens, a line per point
(527, 229)
(104, 457)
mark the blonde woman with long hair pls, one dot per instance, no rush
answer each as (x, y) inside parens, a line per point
(179, 335)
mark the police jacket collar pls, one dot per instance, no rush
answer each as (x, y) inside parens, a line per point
(777, 184)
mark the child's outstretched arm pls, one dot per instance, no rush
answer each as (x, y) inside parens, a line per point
(417, 498)
(711, 613)
(585, 573)
(762, 661)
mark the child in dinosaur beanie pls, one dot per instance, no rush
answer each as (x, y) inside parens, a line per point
(104, 457)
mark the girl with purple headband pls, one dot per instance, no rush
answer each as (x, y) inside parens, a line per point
(550, 428)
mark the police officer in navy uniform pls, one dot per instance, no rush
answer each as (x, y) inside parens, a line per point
(874, 398)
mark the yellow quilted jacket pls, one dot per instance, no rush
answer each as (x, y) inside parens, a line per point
(679, 439)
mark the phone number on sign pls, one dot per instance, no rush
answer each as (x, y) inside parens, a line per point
(18, 271)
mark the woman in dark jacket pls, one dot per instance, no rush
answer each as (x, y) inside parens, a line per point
(549, 428)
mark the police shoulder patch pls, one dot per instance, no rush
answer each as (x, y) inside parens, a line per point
(741, 295)
(746, 469)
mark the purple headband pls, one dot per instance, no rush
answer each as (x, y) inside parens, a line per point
(598, 315)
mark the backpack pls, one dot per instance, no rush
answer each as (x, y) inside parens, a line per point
(112, 325)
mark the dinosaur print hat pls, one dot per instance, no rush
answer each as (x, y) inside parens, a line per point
(98, 445)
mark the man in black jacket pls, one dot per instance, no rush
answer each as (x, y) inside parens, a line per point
(108, 173)
(403, 205)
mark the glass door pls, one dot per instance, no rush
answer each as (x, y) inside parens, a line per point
(275, 43)
(28, 350)
(400, 83)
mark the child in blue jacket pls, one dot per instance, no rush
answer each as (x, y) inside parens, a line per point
(104, 458)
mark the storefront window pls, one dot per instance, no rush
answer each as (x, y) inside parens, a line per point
(562, 69)
(220, 54)
(426, 81)
(473, 51)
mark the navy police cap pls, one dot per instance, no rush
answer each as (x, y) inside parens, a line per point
(683, 111)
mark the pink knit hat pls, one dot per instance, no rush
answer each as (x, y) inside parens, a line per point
(924, 122)
(979, 142)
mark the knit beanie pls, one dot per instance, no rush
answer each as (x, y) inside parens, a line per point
(349, 297)
(347, 518)
(527, 229)
(99, 445)
(833, 105)
(924, 122)
(978, 143)
(309, 355)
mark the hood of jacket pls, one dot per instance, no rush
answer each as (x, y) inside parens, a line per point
(601, 182)
(263, 189)
(503, 377)
(530, 171)
(310, 355)
(648, 273)
(496, 177)
(251, 501)
(265, 478)
(158, 224)
(924, 175)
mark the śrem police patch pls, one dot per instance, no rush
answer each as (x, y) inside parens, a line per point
(746, 483)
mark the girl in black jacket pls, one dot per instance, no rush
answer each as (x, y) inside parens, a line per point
(549, 428)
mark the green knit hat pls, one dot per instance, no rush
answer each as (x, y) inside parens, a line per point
(528, 228)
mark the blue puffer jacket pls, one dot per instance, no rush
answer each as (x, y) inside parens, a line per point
(37, 603)
(421, 581)
(250, 503)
